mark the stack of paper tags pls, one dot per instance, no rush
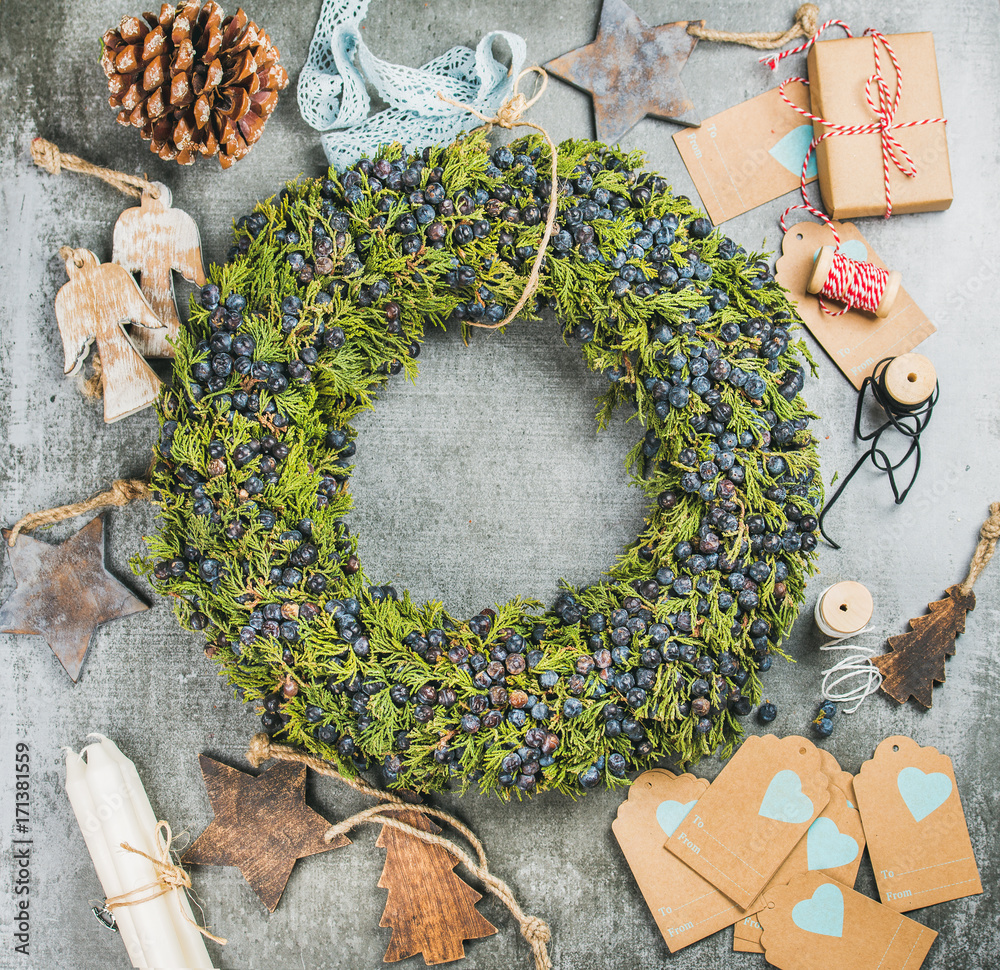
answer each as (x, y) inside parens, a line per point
(772, 847)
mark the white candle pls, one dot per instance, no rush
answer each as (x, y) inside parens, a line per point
(93, 835)
(192, 942)
(152, 918)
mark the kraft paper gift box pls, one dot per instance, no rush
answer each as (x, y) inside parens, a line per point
(851, 176)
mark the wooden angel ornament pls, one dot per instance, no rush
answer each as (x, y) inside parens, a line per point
(155, 240)
(98, 299)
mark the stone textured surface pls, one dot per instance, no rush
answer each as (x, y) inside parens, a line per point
(484, 479)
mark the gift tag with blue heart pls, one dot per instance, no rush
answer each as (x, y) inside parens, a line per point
(833, 845)
(917, 834)
(753, 815)
(685, 906)
(815, 923)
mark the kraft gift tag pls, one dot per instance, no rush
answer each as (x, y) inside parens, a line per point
(917, 835)
(748, 154)
(855, 341)
(815, 923)
(844, 780)
(686, 907)
(833, 845)
(752, 815)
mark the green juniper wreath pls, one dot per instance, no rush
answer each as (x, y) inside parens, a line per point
(325, 294)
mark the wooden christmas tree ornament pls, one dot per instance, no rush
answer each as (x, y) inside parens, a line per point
(64, 593)
(915, 660)
(92, 306)
(430, 909)
(262, 825)
(156, 240)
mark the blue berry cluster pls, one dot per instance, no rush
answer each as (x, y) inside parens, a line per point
(324, 296)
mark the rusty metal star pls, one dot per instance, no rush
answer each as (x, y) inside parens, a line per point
(64, 592)
(632, 70)
(262, 825)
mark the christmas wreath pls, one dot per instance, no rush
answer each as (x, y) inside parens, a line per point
(323, 297)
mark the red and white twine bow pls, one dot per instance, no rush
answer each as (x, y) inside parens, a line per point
(883, 109)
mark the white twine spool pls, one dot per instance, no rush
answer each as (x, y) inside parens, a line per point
(843, 611)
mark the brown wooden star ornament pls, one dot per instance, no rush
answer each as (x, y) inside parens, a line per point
(632, 70)
(64, 592)
(262, 825)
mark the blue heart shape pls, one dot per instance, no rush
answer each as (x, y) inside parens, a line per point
(784, 800)
(823, 913)
(923, 793)
(671, 814)
(791, 151)
(827, 847)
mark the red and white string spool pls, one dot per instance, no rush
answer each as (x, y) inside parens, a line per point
(855, 284)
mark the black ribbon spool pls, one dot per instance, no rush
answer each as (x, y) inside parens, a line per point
(908, 420)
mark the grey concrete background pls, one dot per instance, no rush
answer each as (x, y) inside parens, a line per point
(484, 479)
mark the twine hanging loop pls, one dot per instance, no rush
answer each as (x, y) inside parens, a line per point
(122, 492)
(46, 155)
(509, 116)
(989, 533)
(806, 23)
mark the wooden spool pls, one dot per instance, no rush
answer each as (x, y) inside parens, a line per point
(844, 609)
(910, 379)
(821, 273)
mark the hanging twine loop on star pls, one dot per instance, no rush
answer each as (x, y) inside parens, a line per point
(509, 116)
(534, 929)
(806, 22)
(120, 493)
(169, 877)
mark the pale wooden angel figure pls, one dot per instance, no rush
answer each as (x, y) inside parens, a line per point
(155, 240)
(94, 305)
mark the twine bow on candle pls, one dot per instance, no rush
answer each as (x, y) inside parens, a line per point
(169, 877)
(509, 116)
(883, 106)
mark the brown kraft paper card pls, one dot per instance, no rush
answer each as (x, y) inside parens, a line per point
(686, 907)
(833, 846)
(856, 341)
(752, 815)
(815, 923)
(917, 835)
(748, 154)
(851, 176)
(844, 780)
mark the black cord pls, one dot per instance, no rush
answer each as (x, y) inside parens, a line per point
(907, 420)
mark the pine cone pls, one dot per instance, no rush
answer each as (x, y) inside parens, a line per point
(192, 82)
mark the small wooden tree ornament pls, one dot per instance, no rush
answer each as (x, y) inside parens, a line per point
(915, 660)
(92, 306)
(156, 240)
(430, 909)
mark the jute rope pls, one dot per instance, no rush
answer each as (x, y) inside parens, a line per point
(509, 116)
(121, 493)
(988, 535)
(46, 155)
(806, 22)
(169, 877)
(535, 930)
(93, 386)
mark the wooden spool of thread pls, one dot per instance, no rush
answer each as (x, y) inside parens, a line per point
(844, 610)
(858, 285)
(910, 379)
